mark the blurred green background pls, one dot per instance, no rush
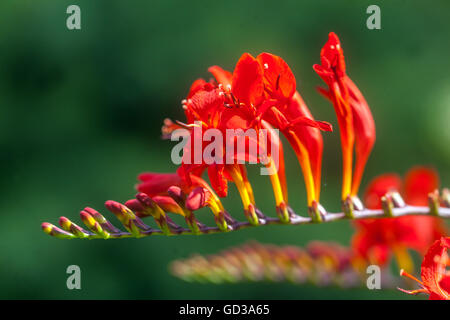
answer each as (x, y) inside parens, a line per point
(81, 112)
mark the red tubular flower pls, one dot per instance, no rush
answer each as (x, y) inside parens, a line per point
(435, 278)
(357, 128)
(375, 239)
(259, 94)
(283, 108)
(289, 113)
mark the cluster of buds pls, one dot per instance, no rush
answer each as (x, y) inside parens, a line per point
(319, 263)
(419, 229)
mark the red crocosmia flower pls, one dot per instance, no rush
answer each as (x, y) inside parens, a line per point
(259, 94)
(228, 104)
(281, 106)
(435, 276)
(210, 106)
(375, 239)
(357, 128)
(287, 111)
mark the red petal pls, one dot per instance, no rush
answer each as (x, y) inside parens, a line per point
(332, 55)
(367, 244)
(378, 187)
(278, 77)
(157, 183)
(364, 126)
(247, 84)
(205, 103)
(217, 178)
(419, 182)
(195, 87)
(305, 121)
(222, 76)
(310, 137)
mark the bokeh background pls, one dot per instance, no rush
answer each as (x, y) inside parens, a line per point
(81, 112)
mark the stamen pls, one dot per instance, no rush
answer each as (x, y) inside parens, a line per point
(403, 273)
(190, 125)
(235, 101)
(278, 82)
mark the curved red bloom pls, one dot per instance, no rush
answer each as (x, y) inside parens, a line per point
(259, 94)
(286, 110)
(290, 114)
(247, 82)
(279, 81)
(375, 239)
(357, 127)
(435, 278)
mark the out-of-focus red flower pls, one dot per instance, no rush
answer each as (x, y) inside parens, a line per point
(375, 239)
(435, 278)
(357, 127)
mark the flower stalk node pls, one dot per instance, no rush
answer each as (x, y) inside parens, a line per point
(388, 205)
(316, 212)
(283, 213)
(350, 204)
(434, 201)
(446, 197)
(252, 215)
(397, 199)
